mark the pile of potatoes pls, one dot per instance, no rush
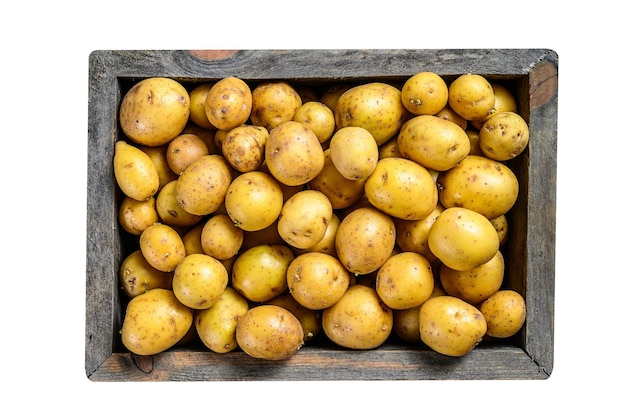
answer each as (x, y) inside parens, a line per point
(267, 214)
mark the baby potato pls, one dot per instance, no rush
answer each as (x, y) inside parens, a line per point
(162, 247)
(311, 320)
(260, 273)
(134, 171)
(462, 239)
(433, 142)
(134, 216)
(318, 117)
(273, 103)
(448, 114)
(365, 240)
(170, 211)
(216, 325)
(505, 101)
(137, 276)
(154, 322)
(269, 332)
(317, 280)
(406, 324)
(207, 136)
(377, 107)
(293, 154)
(253, 201)
(451, 326)
(158, 155)
(471, 96)
(502, 227)
(197, 101)
(199, 280)
(327, 244)
(201, 187)
(405, 280)
(244, 147)
(341, 191)
(359, 320)
(389, 149)
(304, 218)
(412, 235)
(192, 239)
(401, 188)
(228, 103)
(220, 237)
(183, 150)
(505, 313)
(476, 284)
(503, 136)
(425, 93)
(480, 184)
(354, 152)
(154, 111)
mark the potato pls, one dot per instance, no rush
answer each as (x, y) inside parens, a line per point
(505, 313)
(311, 320)
(476, 284)
(134, 171)
(377, 107)
(317, 280)
(341, 191)
(405, 280)
(244, 147)
(327, 244)
(359, 320)
(134, 216)
(354, 152)
(269, 332)
(502, 227)
(503, 136)
(463, 239)
(304, 218)
(228, 103)
(505, 101)
(389, 149)
(137, 276)
(471, 96)
(154, 322)
(201, 187)
(207, 136)
(197, 104)
(318, 117)
(406, 323)
(183, 150)
(199, 280)
(220, 237)
(192, 239)
(474, 138)
(154, 111)
(266, 236)
(433, 142)
(260, 273)
(170, 211)
(162, 247)
(293, 154)
(451, 326)
(401, 188)
(254, 200)
(158, 155)
(412, 235)
(480, 184)
(273, 103)
(424, 93)
(331, 95)
(365, 239)
(448, 114)
(216, 325)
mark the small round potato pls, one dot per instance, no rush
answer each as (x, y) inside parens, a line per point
(197, 104)
(220, 237)
(304, 218)
(269, 332)
(202, 186)
(354, 152)
(341, 191)
(137, 276)
(318, 117)
(158, 155)
(405, 280)
(327, 244)
(192, 239)
(183, 150)
(162, 247)
(228, 103)
(503, 136)
(448, 114)
(425, 93)
(134, 216)
(244, 147)
(412, 235)
(273, 103)
(505, 101)
(199, 280)
(505, 312)
(134, 171)
(471, 96)
(311, 320)
(359, 320)
(406, 324)
(170, 211)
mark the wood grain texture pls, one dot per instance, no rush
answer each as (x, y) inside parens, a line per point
(530, 250)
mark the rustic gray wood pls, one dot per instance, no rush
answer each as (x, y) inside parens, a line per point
(530, 250)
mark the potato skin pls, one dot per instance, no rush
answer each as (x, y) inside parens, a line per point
(162, 247)
(304, 218)
(228, 103)
(405, 280)
(274, 103)
(503, 136)
(505, 312)
(199, 280)
(201, 187)
(134, 171)
(137, 276)
(471, 96)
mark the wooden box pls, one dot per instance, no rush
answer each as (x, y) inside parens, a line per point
(531, 74)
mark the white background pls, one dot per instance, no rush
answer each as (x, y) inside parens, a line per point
(43, 152)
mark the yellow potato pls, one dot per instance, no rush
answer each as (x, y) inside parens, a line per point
(505, 312)
(331, 94)
(207, 135)
(154, 322)
(269, 332)
(327, 244)
(505, 101)
(134, 216)
(293, 154)
(389, 149)
(158, 155)
(405, 280)
(260, 273)
(304, 218)
(244, 147)
(503, 136)
(463, 239)
(341, 191)
(199, 280)
(134, 172)
(412, 235)
(406, 323)
(481, 184)
(154, 111)
(220, 237)
(183, 150)
(170, 211)
(273, 103)
(202, 186)
(401, 188)
(162, 247)
(433, 142)
(318, 117)
(216, 325)
(137, 276)
(359, 320)
(448, 114)
(197, 100)
(228, 103)
(502, 227)
(425, 93)
(317, 280)
(474, 138)
(192, 239)
(311, 320)
(451, 326)
(377, 107)
(471, 96)
(254, 200)
(365, 240)
(354, 152)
